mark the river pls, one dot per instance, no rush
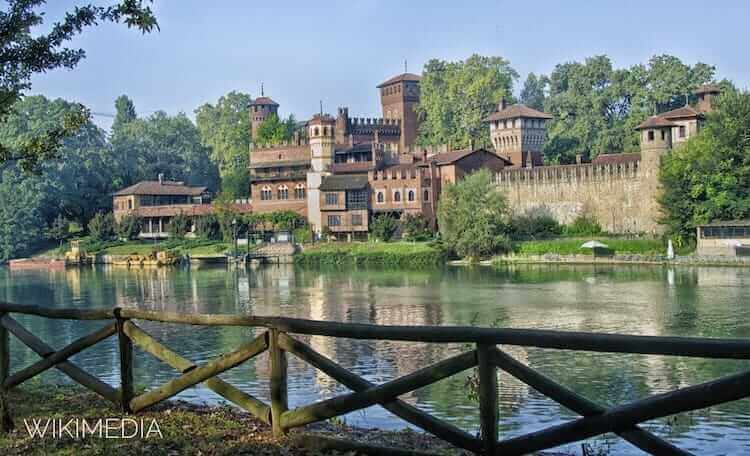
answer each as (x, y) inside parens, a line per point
(710, 302)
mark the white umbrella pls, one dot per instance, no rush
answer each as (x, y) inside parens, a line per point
(593, 245)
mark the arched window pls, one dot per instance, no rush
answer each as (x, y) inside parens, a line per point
(325, 131)
(410, 195)
(299, 191)
(381, 197)
(426, 195)
(265, 193)
(397, 196)
(283, 192)
(315, 131)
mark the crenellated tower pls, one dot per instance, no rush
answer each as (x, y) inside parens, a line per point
(399, 97)
(261, 109)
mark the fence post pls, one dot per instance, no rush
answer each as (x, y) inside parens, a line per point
(488, 412)
(125, 346)
(6, 422)
(279, 403)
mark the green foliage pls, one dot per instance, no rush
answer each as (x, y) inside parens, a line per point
(178, 226)
(21, 213)
(302, 235)
(708, 177)
(415, 227)
(534, 224)
(274, 131)
(284, 220)
(473, 217)
(163, 144)
(26, 54)
(534, 90)
(583, 225)
(597, 107)
(207, 227)
(59, 229)
(228, 216)
(455, 97)
(383, 227)
(392, 254)
(129, 227)
(224, 128)
(102, 227)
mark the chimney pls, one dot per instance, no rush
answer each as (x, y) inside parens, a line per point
(161, 178)
(503, 104)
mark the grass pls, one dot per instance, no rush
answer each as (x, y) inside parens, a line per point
(400, 254)
(193, 247)
(572, 246)
(185, 429)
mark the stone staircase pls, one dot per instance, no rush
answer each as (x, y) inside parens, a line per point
(277, 252)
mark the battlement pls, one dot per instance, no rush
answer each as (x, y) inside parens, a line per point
(375, 122)
(568, 173)
(299, 142)
(367, 125)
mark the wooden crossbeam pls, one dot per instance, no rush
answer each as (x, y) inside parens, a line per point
(341, 405)
(243, 400)
(726, 389)
(642, 439)
(201, 373)
(408, 412)
(73, 371)
(59, 356)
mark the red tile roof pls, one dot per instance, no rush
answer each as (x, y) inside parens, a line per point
(161, 188)
(356, 167)
(655, 122)
(685, 112)
(446, 158)
(616, 158)
(401, 77)
(517, 110)
(263, 101)
(707, 88)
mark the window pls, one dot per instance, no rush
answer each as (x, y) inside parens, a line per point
(283, 192)
(356, 199)
(356, 219)
(663, 135)
(332, 198)
(410, 195)
(381, 197)
(426, 195)
(651, 135)
(315, 131)
(299, 191)
(334, 220)
(265, 193)
(130, 204)
(682, 131)
(397, 196)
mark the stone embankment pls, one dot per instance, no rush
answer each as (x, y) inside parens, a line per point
(687, 260)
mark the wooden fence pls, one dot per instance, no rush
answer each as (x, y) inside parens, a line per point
(595, 420)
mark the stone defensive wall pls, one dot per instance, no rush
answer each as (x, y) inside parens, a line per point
(366, 125)
(620, 196)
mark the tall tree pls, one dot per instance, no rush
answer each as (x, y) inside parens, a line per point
(124, 112)
(708, 178)
(457, 96)
(534, 91)
(24, 53)
(225, 128)
(274, 131)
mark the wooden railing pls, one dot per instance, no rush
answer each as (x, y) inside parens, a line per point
(595, 420)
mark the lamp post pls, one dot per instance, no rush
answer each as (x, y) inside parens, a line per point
(234, 237)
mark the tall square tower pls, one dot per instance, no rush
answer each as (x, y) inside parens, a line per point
(399, 96)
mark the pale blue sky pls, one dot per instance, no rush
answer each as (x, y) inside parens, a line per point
(338, 51)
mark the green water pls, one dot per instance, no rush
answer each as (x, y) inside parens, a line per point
(711, 302)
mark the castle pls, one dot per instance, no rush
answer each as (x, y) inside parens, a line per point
(345, 169)
(339, 172)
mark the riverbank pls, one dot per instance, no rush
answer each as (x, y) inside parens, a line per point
(395, 254)
(186, 429)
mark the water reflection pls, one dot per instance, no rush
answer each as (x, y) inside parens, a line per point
(634, 300)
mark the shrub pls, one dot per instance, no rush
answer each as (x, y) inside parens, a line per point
(415, 227)
(384, 227)
(302, 235)
(178, 226)
(207, 227)
(473, 217)
(583, 225)
(102, 227)
(536, 223)
(129, 227)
